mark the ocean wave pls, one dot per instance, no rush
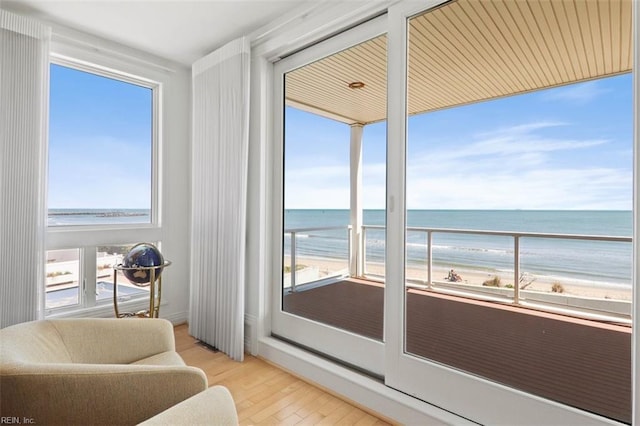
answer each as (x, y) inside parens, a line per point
(584, 280)
(589, 261)
(437, 247)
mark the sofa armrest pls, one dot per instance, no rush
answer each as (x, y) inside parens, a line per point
(213, 406)
(87, 394)
(113, 340)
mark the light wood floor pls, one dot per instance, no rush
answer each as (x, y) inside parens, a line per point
(267, 395)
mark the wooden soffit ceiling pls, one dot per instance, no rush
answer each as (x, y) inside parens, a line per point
(472, 50)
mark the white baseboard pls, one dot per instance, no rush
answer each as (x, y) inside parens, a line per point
(106, 310)
(359, 388)
(177, 318)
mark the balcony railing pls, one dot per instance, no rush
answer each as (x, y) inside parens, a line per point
(515, 294)
(293, 247)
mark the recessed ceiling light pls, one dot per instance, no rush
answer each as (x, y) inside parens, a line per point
(356, 85)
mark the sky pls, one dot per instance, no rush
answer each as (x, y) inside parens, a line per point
(100, 133)
(562, 148)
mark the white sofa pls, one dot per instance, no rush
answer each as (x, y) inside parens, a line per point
(214, 406)
(99, 372)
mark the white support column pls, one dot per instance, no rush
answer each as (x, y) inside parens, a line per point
(355, 261)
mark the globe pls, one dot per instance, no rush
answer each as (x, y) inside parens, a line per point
(142, 255)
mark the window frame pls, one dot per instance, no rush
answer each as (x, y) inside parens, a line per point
(474, 395)
(356, 350)
(155, 88)
(88, 237)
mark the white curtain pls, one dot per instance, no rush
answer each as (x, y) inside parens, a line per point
(219, 193)
(24, 95)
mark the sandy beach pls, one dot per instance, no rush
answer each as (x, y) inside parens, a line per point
(537, 283)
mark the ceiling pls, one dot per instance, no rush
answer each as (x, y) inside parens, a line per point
(182, 31)
(472, 50)
(463, 52)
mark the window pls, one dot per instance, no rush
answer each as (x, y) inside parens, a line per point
(64, 268)
(102, 182)
(62, 282)
(106, 258)
(100, 149)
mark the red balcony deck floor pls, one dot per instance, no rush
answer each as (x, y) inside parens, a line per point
(581, 363)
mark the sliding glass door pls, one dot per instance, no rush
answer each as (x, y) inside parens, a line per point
(457, 205)
(330, 103)
(509, 250)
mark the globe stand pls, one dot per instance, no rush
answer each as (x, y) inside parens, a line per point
(155, 291)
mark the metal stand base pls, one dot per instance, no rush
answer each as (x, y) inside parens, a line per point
(155, 291)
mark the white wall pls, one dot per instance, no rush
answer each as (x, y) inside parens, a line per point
(176, 195)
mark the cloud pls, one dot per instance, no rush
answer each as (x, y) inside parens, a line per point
(517, 167)
(580, 94)
(577, 189)
(374, 186)
(506, 149)
(516, 140)
(317, 187)
(329, 187)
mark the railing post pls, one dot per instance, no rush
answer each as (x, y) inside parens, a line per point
(516, 269)
(293, 261)
(363, 249)
(429, 259)
(350, 247)
(355, 197)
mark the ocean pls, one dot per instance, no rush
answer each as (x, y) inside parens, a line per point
(605, 263)
(71, 217)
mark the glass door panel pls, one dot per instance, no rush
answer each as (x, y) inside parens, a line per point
(506, 143)
(332, 105)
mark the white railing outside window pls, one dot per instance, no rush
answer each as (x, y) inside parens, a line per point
(513, 266)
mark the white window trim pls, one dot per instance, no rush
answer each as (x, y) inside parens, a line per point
(635, 311)
(69, 52)
(156, 90)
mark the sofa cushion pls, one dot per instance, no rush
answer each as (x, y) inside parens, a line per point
(107, 340)
(213, 406)
(34, 342)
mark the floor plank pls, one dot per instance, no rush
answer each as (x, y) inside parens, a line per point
(267, 395)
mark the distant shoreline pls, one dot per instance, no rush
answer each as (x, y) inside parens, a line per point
(99, 214)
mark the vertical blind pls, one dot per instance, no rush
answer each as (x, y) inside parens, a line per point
(24, 91)
(219, 193)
